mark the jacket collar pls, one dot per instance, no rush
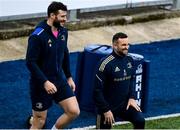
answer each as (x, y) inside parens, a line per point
(46, 27)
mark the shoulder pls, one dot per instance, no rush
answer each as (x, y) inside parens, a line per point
(35, 36)
(38, 31)
(105, 62)
(40, 28)
(130, 61)
(130, 58)
(63, 30)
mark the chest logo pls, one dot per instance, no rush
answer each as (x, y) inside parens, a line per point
(63, 38)
(125, 73)
(139, 69)
(129, 65)
(49, 42)
(117, 69)
(39, 105)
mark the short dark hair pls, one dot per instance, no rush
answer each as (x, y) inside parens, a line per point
(54, 7)
(118, 35)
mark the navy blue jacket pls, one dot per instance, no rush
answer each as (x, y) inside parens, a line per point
(113, 85)
(47, 57)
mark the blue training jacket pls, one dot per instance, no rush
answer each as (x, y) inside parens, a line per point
(113, 85)
(47, 57)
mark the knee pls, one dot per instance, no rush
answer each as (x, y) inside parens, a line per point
(74, 112)
(39, 121)
(140, 122)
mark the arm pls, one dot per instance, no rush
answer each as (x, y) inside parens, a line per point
(66, 60)
(66, 63)
(132, 95)
(32, 56)
(98, 95)
(66, 67)
(99, 99)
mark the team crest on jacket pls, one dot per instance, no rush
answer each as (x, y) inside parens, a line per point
(63, 38)
(129, 65)
(49, 42)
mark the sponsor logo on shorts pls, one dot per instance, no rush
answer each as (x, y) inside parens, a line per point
(39, 105)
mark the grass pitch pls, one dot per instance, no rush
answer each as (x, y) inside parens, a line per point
(167, 123)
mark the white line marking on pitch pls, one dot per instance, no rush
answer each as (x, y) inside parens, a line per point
(125, 122)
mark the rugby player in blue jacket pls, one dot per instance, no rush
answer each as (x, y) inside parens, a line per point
(47, 59)
(114, 94)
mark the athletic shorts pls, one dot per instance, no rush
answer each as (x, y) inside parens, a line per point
(41, 100)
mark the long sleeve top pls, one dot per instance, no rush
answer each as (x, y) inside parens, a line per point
(113, 84)
(47, 57)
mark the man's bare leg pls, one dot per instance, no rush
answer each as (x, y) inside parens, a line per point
(39, 119)
(71, 111)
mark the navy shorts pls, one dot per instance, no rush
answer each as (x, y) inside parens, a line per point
(41, 100)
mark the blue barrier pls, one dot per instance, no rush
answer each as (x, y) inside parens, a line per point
(164, 86)
(88, 60)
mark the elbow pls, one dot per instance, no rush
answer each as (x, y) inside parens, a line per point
(29, 64)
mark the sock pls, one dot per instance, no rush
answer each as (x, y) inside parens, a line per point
(54, 128)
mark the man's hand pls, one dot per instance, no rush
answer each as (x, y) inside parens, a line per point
(133, 103)
(71, 83)
(50, 87)
(109, 118)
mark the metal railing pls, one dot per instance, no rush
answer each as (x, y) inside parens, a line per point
(14, 10)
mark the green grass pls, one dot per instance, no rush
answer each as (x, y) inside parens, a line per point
(168, 123)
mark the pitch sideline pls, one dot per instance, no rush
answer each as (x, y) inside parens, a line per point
(125, 122)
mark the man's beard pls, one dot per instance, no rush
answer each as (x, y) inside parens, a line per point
(121, 53)
(56, 23)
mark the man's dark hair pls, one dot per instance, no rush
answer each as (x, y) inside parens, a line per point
(118, 35)
(55, 6)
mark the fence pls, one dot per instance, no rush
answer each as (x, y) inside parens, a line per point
(22, 9)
